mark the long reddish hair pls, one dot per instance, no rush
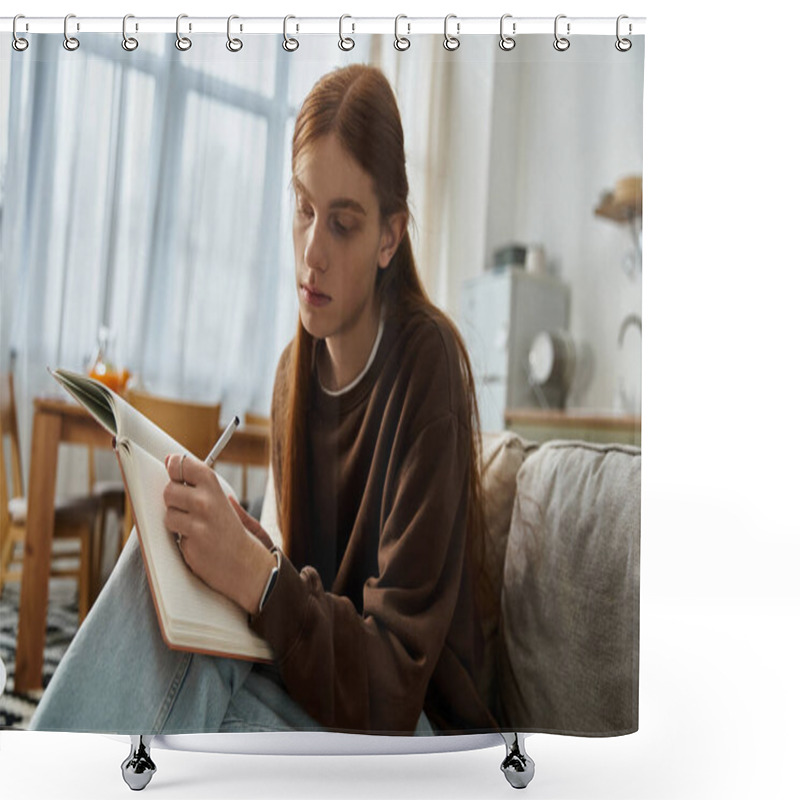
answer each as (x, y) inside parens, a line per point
(357, 105)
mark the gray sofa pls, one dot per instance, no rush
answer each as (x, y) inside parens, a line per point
(564, 522)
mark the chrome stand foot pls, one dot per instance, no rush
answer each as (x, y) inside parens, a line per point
(138, 768)
(518, 766)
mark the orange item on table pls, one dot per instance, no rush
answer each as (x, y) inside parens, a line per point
(115, 379)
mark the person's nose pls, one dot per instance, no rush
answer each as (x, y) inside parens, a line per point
(315, 255)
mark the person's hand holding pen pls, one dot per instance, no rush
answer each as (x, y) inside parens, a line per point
(221, 543)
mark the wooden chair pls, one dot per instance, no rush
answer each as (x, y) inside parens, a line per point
(75, 518)
(194, 425)
(110, 497)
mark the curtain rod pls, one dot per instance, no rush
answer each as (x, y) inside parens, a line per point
(458, 26)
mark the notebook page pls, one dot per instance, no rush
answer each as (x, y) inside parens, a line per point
(91, 394)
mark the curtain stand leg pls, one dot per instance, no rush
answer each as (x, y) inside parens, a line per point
(517, 766)
(138, 768)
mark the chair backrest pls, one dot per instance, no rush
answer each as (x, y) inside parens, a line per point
(8, 428)
(254, 418)
(194, 425)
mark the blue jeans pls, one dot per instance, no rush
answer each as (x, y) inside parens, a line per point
(118, 676)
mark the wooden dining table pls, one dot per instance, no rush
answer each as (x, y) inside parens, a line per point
(59, 421)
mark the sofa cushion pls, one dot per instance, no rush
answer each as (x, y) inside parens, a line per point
(503, 455)
(569, 654)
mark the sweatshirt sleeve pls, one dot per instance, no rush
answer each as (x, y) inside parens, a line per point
(370, 671)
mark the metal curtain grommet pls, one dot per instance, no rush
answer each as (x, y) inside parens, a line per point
(70, 42)
(182, 42)
(507, 42)
(623, 45)
(19, 44)
(290, 44)
(451, 42)
(128, 42)
(561, 43)
(401, 42)
(345, 43)
(234, 45)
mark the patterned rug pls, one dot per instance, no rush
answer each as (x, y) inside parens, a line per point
(16, 709)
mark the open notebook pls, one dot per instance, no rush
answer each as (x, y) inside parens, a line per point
(192, 616)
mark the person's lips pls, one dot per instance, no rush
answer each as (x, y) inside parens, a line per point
(313, 296)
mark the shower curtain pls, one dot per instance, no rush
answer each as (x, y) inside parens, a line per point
(148, 193)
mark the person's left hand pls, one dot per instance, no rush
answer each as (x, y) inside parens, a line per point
(212, 537)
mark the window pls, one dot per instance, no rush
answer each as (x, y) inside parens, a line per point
(158, 205)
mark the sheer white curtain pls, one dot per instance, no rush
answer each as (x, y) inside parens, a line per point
(144, 198)
(149, 192)
(445, 100)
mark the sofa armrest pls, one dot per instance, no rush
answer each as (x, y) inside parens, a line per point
(569, 660)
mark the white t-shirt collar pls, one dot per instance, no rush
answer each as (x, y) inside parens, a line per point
(354, 382)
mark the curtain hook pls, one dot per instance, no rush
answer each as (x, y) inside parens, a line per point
(19, 44)
(561, 43)
(70, 42)
(507, 42)
(346, 43)
(451, 42)
(234, 45)
(182, 42)
(290, 44)
(128, 42)
(623, 45)
(401, 42)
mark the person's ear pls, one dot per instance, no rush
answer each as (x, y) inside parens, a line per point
(392, 233)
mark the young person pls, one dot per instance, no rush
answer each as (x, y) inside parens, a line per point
(370, 604)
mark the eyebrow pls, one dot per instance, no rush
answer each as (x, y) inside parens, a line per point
(337, 203)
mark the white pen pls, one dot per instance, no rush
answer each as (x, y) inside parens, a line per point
(222, 442)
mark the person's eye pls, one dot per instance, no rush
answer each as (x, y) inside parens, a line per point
(342, 227)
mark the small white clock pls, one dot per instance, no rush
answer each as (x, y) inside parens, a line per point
(551, 360)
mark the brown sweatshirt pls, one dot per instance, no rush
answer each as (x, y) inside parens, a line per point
(380, 621)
